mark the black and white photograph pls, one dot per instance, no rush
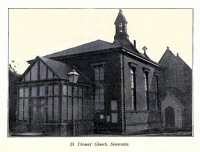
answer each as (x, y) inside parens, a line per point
(100, 72)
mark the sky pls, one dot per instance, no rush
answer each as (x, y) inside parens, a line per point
(38, 32)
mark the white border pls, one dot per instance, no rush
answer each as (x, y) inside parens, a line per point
(138, 144)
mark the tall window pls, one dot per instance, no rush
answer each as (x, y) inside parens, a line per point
(146, 88)
(53, 113)
(133, 89)
(23, 103)
(114, 112)
(77, 103)
(156, 94)
(43, 101)
(99, 89)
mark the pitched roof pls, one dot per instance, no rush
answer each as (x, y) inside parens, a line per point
(166, 53)
(59, 68)
(87, 47)
(183, 62)
(178, 58)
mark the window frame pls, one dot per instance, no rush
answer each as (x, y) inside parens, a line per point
(146, 86)
(99, 86)
(132, 67)
(79, 96)
(157, 93)
(23, 98)
(133, 88)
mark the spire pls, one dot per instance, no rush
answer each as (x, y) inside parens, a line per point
(120, 18)
(121, 29)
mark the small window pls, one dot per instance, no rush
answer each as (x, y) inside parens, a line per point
(120, 27)
(56, 89)
(50, 90)
(64, 90)
(114, 117)
(114, 105)
(69, 90)
(101, 73)
(34, 92)
(21, 92)
(108, 118)
(80, 92)
(42, 90)
(101, 117)
(75, 91)
(26, 92)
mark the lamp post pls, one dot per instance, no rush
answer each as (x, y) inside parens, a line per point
(73, 78)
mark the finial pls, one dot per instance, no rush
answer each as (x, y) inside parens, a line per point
(120, 10)
(144, 49)
(167, 47)
(177, 54)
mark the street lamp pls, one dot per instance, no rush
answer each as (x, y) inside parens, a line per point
(73, 78)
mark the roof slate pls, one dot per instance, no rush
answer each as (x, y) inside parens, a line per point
(87, 47)
(59, 68)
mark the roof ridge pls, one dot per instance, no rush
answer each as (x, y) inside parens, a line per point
(166, 53)
(85, 47)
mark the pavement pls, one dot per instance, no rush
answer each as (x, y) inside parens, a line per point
(172, 134)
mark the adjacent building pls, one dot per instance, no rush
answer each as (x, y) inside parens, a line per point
(118, 91)
(176, 91)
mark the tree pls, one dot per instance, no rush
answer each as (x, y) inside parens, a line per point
(13, 79)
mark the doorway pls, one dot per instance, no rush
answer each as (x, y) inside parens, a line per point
(169, 117)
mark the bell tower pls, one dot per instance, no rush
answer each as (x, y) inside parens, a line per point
(121, 29)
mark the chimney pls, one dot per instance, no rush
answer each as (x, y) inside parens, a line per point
(134, 42)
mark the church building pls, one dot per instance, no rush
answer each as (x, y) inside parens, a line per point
(99, 88)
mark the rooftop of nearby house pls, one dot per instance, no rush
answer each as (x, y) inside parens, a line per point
(169, 53)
